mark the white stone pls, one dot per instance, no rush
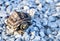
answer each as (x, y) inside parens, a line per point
(56, 14)
(7, 3)
(49, 1)
(17, 36)
(8, 10)
(43, 39)
(33, 33)
(37, 1)
(4, 35)
(58, 7)
(32, 37)
(42, 34)
(25, 36)
(32, 12)
(18, 39)
(55, 0)
(58, 35)
(26, 7)
(11, 39)
(45, 15)
(3, 13)
(1, 1)
(0, 38)
(39, 7)
(50, 35)
(37, 38)
(1, 28)
(58, 4)
(2, 8)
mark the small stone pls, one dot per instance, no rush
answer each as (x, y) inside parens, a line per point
(50, 1)
(49, 31)
(45, 21)
(52, 24)
(51, 18)
(1, 2)
(33, 35)
(9, 9)
(7, 3)
(39, 7)
(36, 29)
(26, 7)
(43, 39)
(32, 12)
(26, 36)
(37, 1)
(37, 38)
(42, 34)
(3, 13)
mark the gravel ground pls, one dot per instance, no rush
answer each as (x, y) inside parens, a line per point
(45, 19)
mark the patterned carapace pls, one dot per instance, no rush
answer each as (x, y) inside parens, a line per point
(17, 21)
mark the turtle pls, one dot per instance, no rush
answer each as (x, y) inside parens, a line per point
(18, 21)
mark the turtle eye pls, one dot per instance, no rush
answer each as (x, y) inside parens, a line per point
(24, 26)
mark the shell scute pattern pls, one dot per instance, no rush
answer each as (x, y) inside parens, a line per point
(18, 21)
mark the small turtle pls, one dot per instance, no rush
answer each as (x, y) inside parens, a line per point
(18, 21)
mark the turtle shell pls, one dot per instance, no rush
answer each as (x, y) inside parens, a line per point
(18, 21)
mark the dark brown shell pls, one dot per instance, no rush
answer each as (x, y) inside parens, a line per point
(18, 21)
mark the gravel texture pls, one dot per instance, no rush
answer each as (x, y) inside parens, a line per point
(45, 19)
